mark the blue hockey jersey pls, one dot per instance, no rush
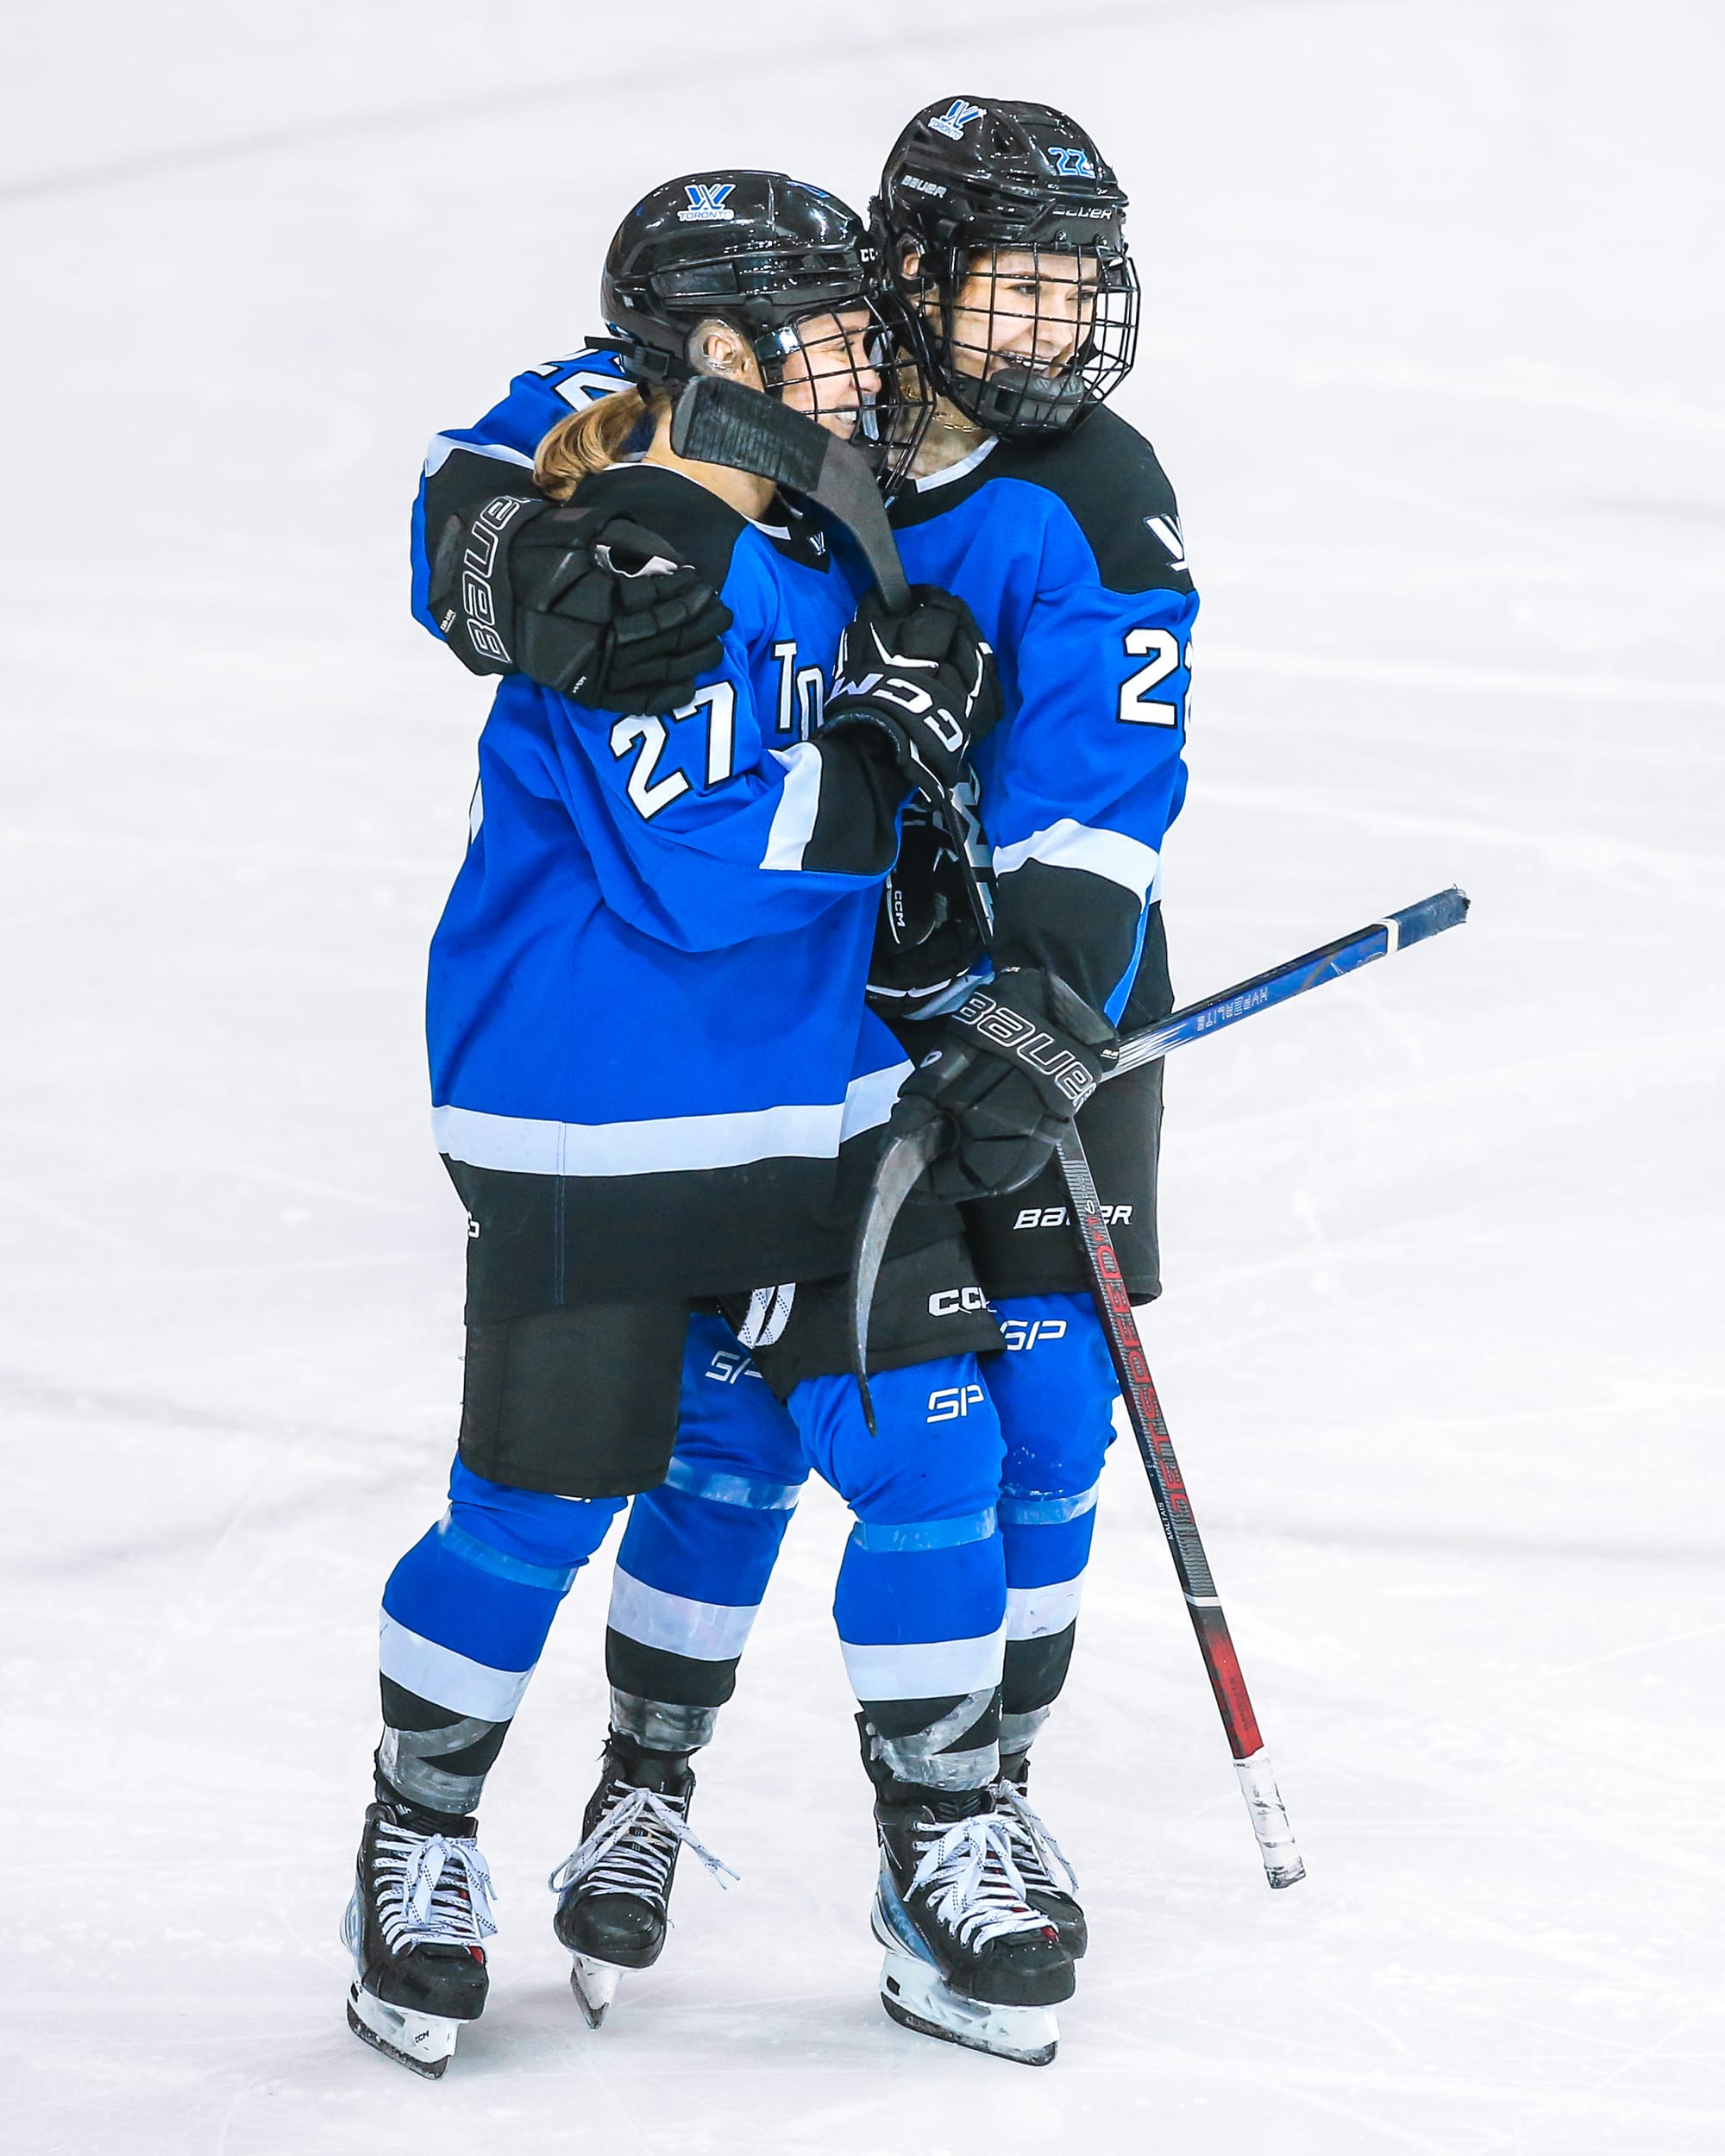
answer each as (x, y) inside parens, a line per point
(653, 1069)
(1069, 554)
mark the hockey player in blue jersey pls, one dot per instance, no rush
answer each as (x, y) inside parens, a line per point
(1052, 517)
(654, 1076)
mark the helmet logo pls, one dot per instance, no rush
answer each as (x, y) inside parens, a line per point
(707, 205)
(956, 117)
(1073, 164)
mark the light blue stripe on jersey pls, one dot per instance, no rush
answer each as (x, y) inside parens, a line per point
(534, 1145)
(924, 1534)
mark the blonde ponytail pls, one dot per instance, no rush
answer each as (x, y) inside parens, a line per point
(589, 440)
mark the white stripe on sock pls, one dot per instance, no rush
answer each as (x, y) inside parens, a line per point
(420, 1665)
(1034, 1613)
(706, 1631)
(930, 1669)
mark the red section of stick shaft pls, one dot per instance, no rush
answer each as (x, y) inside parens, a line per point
(1222, 1664)
(1144, 1410)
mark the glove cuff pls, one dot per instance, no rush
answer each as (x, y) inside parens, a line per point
(1034, 1020)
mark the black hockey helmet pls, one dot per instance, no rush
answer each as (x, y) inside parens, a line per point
(763, 253)
(971, 179)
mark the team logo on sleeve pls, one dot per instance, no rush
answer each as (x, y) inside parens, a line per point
(1166, 530)
(706, 204)
(953, 122)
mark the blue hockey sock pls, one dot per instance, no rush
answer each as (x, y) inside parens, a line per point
(1055, 1390)
(698, 1551)
(920, 1602)
(465, 1617)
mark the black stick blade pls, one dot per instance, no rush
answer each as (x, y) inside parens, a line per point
(718, 422)
(724, 422)
(901, 1165)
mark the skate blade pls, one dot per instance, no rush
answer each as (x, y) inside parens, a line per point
(916, 1998)
(423, 2043)
(594, 1985)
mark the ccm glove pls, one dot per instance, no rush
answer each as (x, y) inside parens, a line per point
(600, 610)
(1011, 1068)
(927, 678)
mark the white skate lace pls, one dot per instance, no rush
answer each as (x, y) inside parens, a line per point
(973, 1881)
(430, 1890)
(630, 1849)
(1032, 1844)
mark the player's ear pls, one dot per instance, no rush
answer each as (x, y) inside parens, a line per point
(716, 348)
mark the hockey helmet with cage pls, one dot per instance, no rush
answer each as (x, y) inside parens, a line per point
(974, 179)
(763, 253)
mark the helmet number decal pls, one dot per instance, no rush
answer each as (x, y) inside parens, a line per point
(1139, 707)
(648, 736)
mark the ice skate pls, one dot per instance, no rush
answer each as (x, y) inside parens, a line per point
(421, 1907)
(969, 1960)
(1049, 1883)
(614, 1891)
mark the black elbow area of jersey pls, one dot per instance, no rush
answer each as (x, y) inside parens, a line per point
(862, 789)
(1083, 927)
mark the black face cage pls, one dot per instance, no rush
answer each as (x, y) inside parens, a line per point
(1026, 341)
(828, 343)
(846, 366)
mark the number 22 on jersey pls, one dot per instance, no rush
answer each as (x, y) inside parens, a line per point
(1139, 705)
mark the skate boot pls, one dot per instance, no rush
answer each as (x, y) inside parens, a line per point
(1049, 1882)
(420, 1910)
(969, 1960)
(614, 1892)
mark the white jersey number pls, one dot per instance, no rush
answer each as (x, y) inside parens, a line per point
(1137, 707)
(648, 737)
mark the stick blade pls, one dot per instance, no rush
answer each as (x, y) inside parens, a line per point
(902, 1166)
(717, 422)
(724, 423)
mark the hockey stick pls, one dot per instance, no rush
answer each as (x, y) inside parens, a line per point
(905, 1158)
(718, 422)
(1282, 1862)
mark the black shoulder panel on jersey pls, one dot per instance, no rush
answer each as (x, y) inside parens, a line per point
(1107, 475)
(704, 530)
(1081, 926)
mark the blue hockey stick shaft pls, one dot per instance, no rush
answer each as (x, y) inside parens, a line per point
(1380, 939)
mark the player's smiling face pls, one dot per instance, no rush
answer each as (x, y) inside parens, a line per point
(1022, 308)
(831, 372)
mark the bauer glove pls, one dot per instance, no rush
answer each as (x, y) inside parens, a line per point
(601, 611)
(1010, 1069)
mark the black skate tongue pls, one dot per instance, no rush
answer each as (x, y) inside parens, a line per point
(666, 1773)
(949, 1806)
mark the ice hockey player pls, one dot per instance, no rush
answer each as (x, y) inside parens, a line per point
(655, 1076)
(1052, 517)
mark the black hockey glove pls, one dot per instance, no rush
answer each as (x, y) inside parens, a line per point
(1010, 1069)
(926, 677)
(936, 911)
(604, 611)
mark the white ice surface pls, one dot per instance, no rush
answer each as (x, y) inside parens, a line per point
(1433, 352)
